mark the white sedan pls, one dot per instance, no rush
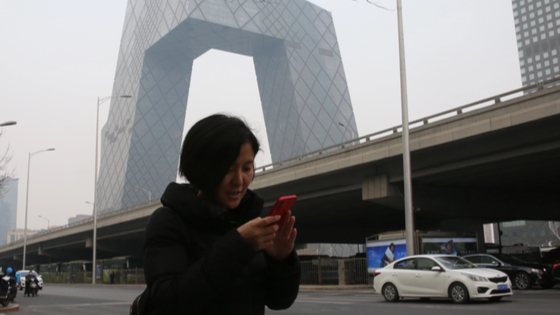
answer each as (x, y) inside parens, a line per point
(427, 276)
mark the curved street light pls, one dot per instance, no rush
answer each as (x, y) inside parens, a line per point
(27, 202)
(346, 129)
(99, 102)
(146, 191)
(48, 222)
(8, 123)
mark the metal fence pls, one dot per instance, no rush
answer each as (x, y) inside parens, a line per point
(122, 276)
(329, 271)
(322, 271)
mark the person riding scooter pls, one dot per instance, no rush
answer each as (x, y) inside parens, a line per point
(6, 288)
(10, 273)
(31, 284)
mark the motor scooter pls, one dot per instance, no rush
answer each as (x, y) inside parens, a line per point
(31, 286)
(6, 291)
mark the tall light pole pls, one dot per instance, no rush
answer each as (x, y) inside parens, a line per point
(27, 203)
(99, 102)
(48, 222)
(346, 129)
(408, 215)
(147, 191)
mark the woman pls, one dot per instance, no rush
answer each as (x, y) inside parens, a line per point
(206, 250)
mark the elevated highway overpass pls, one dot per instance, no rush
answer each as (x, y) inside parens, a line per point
(493, 160)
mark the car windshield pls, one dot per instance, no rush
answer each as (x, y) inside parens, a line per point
(453, 262)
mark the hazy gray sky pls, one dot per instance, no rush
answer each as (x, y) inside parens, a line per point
(58, 56)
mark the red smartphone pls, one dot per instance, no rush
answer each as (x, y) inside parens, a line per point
(282, 205)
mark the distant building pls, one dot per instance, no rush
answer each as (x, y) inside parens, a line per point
(535, 233)
(16, 234)
(300, 76)
(331, 250)
(78, 218)
(8, 210)
(537, 25)
(489, 235)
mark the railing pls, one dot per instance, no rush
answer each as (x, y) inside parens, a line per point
(322, 271)
(85, 221)
(413, 124)
(332, 271)
(121, 276)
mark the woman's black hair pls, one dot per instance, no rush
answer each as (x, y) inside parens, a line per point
(211, 147)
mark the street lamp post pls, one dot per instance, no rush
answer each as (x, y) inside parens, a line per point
(48, 222)
(408, 215)
(346, 129)
(99, 102)
(27, 203)
(147, 191)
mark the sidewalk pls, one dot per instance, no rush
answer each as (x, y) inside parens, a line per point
(10, 308)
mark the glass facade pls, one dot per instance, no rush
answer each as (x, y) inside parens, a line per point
(537, 25)
(8, 210)
(302, 85)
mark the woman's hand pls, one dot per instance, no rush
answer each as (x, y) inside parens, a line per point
(283, 243)
(259, 233)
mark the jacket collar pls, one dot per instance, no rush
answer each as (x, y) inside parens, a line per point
(198, 213)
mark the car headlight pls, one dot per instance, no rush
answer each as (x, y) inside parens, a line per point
(475, 278)
(537, 271)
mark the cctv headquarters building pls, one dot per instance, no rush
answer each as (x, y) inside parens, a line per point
(301, 81)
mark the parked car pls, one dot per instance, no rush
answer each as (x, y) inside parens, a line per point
(552, 258)
(430, 276)
(20, 279)
(523, 274)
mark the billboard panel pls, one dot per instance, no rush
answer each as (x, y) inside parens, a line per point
(449, 245)
(382, 253)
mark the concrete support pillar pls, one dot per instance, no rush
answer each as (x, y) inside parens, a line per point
(379, 190)
(341, 272)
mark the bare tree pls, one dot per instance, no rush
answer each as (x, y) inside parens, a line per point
(5, 173)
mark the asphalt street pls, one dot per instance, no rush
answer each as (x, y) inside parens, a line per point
(83, 300)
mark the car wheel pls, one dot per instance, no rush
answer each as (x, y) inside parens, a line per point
(458, 293)
(522, 281)
(390, 292)
(495, 298)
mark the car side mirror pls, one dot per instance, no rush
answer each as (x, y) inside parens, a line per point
(436, 268)
(495, 263)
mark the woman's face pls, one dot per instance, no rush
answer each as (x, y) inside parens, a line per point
(234, 185)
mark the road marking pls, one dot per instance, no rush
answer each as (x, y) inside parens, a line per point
(81, 305)
(323, 302)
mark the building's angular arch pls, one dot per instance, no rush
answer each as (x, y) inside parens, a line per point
(301, 80)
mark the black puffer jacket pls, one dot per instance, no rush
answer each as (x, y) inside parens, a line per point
(195, 261)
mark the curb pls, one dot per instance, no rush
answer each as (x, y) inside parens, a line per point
(98, 285)
(10, 308)
(301, 287)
